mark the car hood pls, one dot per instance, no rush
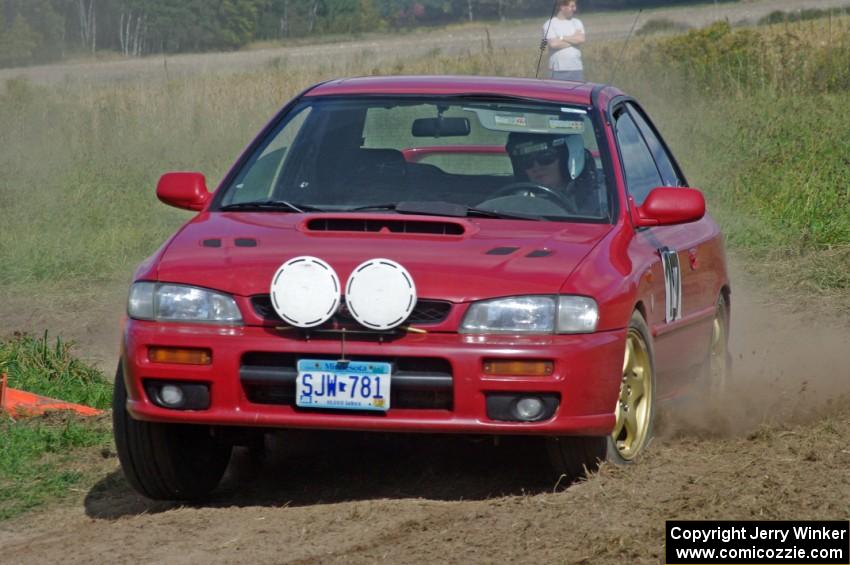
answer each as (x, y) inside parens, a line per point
(451, 259)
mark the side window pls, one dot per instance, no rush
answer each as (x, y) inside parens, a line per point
(258, 179)
(641, 173)
(662, 158)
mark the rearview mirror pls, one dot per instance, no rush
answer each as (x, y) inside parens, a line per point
(183, 190)
(440, 127)
(668, 206)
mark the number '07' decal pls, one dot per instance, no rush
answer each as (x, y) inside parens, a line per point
(672, 284)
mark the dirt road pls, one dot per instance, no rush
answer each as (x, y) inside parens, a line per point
(349, 499)
(600, 26)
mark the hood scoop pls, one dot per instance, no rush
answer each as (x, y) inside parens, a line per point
(386, 225)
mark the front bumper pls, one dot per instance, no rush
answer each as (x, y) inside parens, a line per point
(587, 373)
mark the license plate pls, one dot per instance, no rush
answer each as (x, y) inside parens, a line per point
(343, 385)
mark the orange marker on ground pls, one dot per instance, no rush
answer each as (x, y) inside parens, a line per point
(20, 404)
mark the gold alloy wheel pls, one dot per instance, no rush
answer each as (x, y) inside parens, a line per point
(634, 406)
(718, 364)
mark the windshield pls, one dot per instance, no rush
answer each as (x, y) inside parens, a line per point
(514, 159)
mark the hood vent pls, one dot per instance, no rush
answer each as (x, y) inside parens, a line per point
(502, 250)
(385, 226)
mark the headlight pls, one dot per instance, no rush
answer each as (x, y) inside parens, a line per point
(179, 303)
(577, 315)
(533, 315)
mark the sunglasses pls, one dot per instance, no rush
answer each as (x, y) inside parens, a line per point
(542, 158)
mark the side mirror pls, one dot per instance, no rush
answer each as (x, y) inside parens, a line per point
(667, 206)
(183, 190)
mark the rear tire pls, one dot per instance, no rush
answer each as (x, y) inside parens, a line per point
(166, 461)
(718, 366)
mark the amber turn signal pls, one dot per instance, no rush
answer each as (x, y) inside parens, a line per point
(502, 367)
(180, 356)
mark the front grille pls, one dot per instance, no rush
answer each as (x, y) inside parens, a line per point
(426, 312)
(416, 383)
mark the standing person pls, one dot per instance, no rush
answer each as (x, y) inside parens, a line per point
(564, 34)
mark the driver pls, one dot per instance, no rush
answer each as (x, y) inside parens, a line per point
(542, 159)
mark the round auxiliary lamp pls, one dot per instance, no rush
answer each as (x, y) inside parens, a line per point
(380, 294)
(305, 292)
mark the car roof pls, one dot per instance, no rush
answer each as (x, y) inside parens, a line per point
(557, 91)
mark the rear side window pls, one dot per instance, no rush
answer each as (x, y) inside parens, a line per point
(641, 173)
(662, 158)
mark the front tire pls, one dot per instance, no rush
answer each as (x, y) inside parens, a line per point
(574, 457)
(166, 461)
(635, 410)
(571, 457)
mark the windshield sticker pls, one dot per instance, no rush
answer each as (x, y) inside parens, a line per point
(574, 111)
(529, 148)
(530, 122)
(571, 126)
(510, 120)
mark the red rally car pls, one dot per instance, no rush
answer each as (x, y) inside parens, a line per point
(425, 254)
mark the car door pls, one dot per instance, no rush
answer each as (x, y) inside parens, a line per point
(678, 258)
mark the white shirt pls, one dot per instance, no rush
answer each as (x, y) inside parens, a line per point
(569, 58)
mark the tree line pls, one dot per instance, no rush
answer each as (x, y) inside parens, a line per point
(39, 31)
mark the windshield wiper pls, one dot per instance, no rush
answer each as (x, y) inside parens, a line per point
(439, 208)
(271, 205)
(369, 207)
(502, 215)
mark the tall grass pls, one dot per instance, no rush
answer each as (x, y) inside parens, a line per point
(47, 367)
(755, 115)
(779, 17)
(78, 165)
(760, 116)
(661, 25)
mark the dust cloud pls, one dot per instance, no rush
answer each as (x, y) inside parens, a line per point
(790, 365)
